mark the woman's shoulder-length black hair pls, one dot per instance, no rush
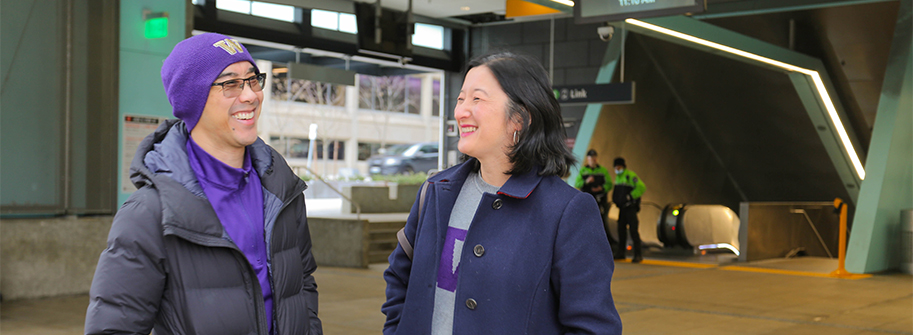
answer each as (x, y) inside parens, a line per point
(541, 140)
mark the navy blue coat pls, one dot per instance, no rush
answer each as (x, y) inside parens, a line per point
(546, 268)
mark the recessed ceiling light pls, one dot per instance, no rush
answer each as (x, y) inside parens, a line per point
(465, 8)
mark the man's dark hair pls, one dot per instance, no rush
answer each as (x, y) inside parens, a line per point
(619, 162)
(532, 104)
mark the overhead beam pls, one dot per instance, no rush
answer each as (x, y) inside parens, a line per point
(756, 7)
(808, 75)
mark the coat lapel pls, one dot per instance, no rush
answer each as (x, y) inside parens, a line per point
(446, 185)
(521, 186)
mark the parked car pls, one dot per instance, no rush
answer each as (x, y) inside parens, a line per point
(405, 159)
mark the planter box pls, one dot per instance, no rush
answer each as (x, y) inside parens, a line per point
(392, 198)
(339, 242)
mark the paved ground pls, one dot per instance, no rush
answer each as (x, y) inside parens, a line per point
(657, 297)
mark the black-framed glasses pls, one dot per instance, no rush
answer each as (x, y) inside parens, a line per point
(233, 88)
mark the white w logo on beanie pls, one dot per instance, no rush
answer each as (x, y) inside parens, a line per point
(230, 45)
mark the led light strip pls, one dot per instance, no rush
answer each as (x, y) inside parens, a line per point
(816, 78)
(565, 2)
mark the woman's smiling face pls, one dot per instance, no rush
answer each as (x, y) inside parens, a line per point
(481, 111)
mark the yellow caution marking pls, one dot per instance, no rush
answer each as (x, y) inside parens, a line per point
(793, 273)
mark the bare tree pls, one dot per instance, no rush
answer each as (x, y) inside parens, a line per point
(387, 94)
(319, 96)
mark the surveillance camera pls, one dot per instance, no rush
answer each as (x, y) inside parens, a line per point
(605, 32)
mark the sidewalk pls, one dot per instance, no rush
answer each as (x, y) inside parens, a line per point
(657, 297)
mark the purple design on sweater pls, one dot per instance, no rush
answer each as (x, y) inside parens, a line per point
(447, 273)
(236, 196)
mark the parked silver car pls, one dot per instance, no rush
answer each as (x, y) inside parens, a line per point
(405, 159)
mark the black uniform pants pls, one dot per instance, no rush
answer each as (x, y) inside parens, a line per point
(627, 217)
(602, 200)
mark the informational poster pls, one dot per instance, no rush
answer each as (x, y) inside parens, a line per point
(136, 128)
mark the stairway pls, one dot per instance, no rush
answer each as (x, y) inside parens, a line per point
(382, 240)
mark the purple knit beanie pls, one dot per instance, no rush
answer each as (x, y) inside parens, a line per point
(189, 71)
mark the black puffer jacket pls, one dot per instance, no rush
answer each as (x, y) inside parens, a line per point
(170, 264)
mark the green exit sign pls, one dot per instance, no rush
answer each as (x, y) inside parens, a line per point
(156, 27)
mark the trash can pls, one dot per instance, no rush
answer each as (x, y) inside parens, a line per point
(906, 244)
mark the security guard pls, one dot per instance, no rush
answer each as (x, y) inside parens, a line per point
(594, 179)
(628, 190)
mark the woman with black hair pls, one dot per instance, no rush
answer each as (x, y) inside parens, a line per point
(501, 244)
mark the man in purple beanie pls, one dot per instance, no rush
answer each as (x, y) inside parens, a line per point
(215, 240)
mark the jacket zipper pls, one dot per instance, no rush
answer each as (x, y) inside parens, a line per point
(210, 241)
(269, 264)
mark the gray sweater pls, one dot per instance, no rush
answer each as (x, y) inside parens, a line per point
(464, 210)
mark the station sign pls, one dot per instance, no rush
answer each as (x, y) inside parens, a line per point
(597, 11)
(615, 93)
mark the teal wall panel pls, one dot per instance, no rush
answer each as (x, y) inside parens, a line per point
(874, 243)
(591, 116)
(141, 90)
(32, 101)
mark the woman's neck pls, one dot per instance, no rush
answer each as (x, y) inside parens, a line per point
(493, 170)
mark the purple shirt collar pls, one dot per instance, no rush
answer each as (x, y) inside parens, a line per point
(215, 171)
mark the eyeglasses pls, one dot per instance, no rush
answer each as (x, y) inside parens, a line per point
(233, 88)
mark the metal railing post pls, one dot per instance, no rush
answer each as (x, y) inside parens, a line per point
(357, 207)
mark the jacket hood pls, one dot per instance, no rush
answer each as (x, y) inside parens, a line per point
(161, 160)
(163, 153)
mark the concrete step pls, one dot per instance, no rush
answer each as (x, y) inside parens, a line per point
(380, 256)
(394, 226)
(380, 245)
(382, 235)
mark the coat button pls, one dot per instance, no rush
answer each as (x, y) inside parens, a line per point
(497, 204)
(471, 303)
(478, 250)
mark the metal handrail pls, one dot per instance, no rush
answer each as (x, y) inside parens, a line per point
(812, 224)
(357, 206)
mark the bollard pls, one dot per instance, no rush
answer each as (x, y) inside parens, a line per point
(841, 272)
(840, 206)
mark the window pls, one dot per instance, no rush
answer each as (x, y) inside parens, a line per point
(273, 11)
(436, 98)
(292, 147)
(257, 8)
(325, 19)
(237, 6)
(367, 149)
(413, 95)
(429, 149)
(312, 92)
(401, 94)
(333, 21)
(347, 23)
(429, 36)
